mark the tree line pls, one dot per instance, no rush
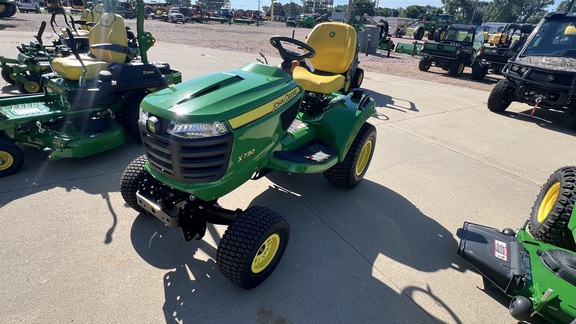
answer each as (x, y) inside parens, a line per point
(464, 11)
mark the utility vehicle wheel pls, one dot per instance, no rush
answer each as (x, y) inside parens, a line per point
(553, 207)
(351, 171)
(11, 158)
(439, 34)
(500, 97)
(456, 68)
(520, 308)
(424, 64)
(8, 77)
(134, 173)
(478, 72)
(33, 87)
(252, 246)
(129, 115)
(358, 78)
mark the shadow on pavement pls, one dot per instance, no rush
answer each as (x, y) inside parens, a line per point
(338, 239)
(554, 120)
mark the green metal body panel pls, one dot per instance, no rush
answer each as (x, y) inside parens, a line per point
(560, 307)
(258, 103)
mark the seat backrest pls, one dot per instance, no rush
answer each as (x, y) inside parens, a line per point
(466, 39)
(109, 30)
(86, 16)
(96, 13)
(335, 45)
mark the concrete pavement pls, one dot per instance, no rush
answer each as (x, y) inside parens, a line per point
(385, 252)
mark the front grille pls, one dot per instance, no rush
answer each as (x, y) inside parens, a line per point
(188, 160)
(564, 79)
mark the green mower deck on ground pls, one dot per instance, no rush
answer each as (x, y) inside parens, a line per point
(535, 266)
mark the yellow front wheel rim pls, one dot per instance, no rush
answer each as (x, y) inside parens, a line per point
(266, 253)
(548, 201)
(6, 160)
(363, 158)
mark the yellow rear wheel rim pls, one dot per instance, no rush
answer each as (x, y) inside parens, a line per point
(33, 87)
(6, 160)
(266, 253)
(363, 158)
(548, 201)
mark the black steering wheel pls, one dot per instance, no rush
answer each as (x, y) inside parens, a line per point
(288, 55)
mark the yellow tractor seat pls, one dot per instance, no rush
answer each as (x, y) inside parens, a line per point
(335, 45)
(108, 44)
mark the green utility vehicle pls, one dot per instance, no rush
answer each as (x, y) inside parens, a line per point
(90, 100)
(494, 58)
(535, 266)
(543, 74)
(455, 51)
(205, 137)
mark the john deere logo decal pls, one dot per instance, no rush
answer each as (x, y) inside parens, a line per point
(332, 34)
(151, 124)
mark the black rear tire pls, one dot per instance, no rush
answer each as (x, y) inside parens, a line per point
(418, 33)
(456, 68)
(252, 246)
(553, 208)
(8, 77)
(349, 173)
(424, 64)
(129, 115)
(478, 72)
(11, 158)
(500, 97)
(358, 78)
(130, 181)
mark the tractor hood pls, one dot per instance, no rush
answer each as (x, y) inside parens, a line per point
(564, 64)
(223, 96)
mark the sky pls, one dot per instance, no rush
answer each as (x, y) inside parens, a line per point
(253, 4)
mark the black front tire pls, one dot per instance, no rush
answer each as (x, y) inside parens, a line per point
(500, 97)
(11, 158)
(424, 64)
(553, 208)
(130, 181)
(349, 173)
(252, 246)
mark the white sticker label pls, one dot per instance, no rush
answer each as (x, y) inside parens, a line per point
(501, 250)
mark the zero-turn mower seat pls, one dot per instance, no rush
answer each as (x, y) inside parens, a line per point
(90, 17)
(335, 46)
(110, 31)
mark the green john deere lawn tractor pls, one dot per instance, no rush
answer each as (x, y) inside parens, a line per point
(535, 266)
(90, 101)
(205, 137)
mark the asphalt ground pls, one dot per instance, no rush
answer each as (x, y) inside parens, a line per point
(385, 252)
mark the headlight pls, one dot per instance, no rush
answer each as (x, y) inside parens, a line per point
(143, 116)
(197, 130)
(514, 68)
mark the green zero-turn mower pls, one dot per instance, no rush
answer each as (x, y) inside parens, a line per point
(90, 101)
(205, 137)
(535, 266)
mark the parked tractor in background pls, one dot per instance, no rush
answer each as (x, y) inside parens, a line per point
(432, 26)
(8, 8)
